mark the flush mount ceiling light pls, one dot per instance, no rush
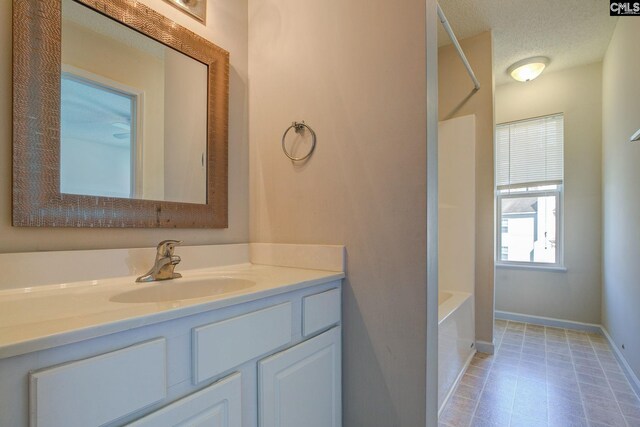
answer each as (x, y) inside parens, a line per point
(528, 69)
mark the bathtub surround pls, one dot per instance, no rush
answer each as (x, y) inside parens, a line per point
(456, 345)
(456, 250)
(621, 197)
(457, 204)
(227, 26)
(457, 100)
(574, 294)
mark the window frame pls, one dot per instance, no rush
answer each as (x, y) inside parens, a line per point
(558, 193)
(523, 190)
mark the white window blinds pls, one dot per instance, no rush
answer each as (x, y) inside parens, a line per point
(530, 152)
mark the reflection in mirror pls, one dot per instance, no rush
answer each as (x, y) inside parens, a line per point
(126, 125)
(133, 113)
(99, 135)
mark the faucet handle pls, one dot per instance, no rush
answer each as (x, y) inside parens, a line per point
(165, 248)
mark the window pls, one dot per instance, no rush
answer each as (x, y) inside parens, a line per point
(504, 252)
(529, 191)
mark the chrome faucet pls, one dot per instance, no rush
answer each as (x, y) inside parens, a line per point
(166, 261)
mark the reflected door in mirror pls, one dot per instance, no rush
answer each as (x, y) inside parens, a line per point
(133, 113)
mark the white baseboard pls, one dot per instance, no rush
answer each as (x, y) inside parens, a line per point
(548, 321)
(456, 382)
(631, 376)
(485, 347)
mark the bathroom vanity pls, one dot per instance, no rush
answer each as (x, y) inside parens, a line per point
(249, 336)
(262, 347)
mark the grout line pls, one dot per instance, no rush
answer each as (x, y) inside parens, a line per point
(546, 365)
(575, 373)
(515, 392)
(608, 383)
(493, 368)
(484, 384)
(632, 379)
(457, 382)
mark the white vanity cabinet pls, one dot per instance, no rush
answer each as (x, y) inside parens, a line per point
(99, 389)
(218, 405)
(224, 345)
(273, 361)
(301, 386)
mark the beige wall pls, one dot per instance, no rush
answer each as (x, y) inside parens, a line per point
(621, 197)
(455, 100)
(574, 294)
(355, 72)
(227, 27)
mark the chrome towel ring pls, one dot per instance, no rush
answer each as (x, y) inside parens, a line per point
(299, 128)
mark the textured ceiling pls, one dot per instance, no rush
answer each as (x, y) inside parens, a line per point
(569, 32)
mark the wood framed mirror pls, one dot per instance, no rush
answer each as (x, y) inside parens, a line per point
(87, 145)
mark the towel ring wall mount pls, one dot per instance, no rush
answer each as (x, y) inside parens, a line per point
(299, 127)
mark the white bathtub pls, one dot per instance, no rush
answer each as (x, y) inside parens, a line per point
(456, 337)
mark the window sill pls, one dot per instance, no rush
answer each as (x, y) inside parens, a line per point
(538, 267)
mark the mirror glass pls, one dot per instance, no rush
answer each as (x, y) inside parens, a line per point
(133, 113)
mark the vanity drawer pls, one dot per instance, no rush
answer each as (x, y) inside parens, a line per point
(320, 311)
(100, 389)
(222, 346)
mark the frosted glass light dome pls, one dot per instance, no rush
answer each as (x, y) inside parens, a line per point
(528, 69)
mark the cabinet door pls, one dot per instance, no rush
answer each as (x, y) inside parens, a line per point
(218, 405)
(301, 386)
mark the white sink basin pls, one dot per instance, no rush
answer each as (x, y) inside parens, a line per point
(181, 289)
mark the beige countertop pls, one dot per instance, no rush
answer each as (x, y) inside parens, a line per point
(42, 317)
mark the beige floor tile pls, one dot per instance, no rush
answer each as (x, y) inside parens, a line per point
(544, 376)
(565, 409)
(462, 404)
(519, 420)
(465, 391)
(630, 410)
(455, 418)
(633, 422)
(498, 419)
(606, 416)
(567, 421)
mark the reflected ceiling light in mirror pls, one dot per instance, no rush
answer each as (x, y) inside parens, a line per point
(528, 69)
(195, 8)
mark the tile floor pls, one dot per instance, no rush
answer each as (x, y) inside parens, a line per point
(543, 377)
